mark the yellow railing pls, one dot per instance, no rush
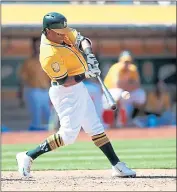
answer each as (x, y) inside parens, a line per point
(89, 14)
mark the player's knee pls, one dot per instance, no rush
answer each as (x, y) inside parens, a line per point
(54, 141)
(68, 138)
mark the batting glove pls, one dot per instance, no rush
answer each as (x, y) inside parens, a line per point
(93, 69)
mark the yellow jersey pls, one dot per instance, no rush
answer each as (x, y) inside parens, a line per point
(117, 73)
(61, 60)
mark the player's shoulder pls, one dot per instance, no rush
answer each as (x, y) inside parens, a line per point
(46, 52)
(53, 60)
(115, 66)
(49, 58)
(47, 48)
(133, 67)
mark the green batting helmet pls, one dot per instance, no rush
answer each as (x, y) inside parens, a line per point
(55, 21)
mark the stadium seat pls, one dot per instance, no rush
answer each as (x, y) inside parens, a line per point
(171, 45)
(154, 46)
(109, 47)
(5, 129)
(134, 45)
(19, 47)
(108, 117)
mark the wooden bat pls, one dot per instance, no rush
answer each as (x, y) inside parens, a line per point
(107, 94)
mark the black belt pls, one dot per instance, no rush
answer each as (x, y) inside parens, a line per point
(77, 78)
(55, 83)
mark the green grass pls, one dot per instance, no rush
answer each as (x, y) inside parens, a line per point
(154, 153)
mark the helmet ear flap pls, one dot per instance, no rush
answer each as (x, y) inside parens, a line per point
(44, 31)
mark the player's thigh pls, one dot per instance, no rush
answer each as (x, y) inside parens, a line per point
(91, 122)
(138, 96)
(70, 111)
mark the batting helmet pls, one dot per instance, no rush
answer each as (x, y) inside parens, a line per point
(55, 21)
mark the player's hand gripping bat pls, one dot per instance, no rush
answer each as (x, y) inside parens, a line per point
(107, 94)
(94, 71)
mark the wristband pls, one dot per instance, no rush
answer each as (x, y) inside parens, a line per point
(88, 51)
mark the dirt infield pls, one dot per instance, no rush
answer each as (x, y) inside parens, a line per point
(89, 180)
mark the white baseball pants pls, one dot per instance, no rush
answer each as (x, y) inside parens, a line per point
(75, 109)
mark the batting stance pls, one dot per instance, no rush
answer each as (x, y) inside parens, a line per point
(61, 57)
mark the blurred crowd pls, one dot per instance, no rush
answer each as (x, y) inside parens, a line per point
(142, 109)
(145, 108)
(34, 86)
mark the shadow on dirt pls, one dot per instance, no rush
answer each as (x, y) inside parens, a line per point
(156, 177)
(22, 179)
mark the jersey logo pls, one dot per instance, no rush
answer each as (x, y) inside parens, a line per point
(56, 67)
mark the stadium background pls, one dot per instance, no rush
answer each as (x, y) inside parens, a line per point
(150, 35)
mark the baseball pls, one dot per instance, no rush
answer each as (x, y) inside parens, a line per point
(125, 95)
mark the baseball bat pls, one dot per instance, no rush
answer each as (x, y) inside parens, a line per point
(107, 94)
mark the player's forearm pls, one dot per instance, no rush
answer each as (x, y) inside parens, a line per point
(93, 69)
(86, 47)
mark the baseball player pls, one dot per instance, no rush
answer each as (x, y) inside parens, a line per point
(67, 57)
(124, 76)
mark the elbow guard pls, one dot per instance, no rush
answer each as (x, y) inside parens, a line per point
(79, 39)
